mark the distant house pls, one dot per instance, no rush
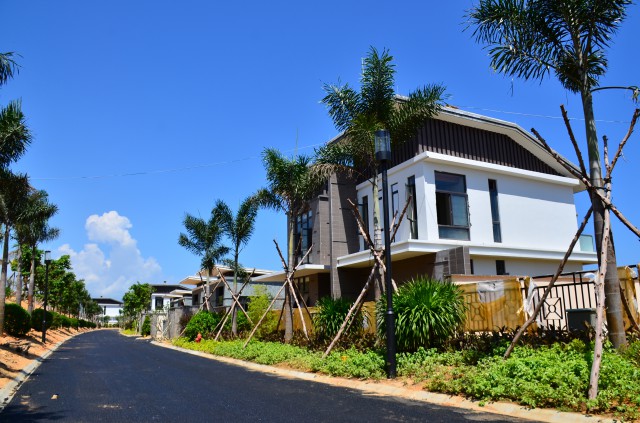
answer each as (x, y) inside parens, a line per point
(220, 295)
(163, 295)
(111, 308)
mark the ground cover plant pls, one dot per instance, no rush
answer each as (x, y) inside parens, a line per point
(553, 375)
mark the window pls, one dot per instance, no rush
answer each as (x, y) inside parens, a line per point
(501, 268)
(412, 210)
(495, 214)
(364, 213)
(452, 206)
(471, 266)
(159, 303)
(303, 234)
(395, 199)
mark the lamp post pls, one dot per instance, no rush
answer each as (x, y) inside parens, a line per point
(383, 155)
(47, 260)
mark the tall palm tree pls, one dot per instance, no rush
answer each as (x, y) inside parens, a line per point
(239, 229)
(14, 189)
(203, 238)
(8, 67)
(374, 107)
(566, 38)
(291, 183)
(33, 229)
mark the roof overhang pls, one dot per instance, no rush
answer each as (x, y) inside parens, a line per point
(304, 270)
(414, 248)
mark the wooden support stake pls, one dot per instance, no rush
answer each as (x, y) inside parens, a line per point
(547, 290)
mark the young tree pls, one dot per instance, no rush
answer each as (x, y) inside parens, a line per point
(203, 238)
(291, 183)
(32, 229)
(238, 229)
(360, 114)
(136, 300)
(533, 39)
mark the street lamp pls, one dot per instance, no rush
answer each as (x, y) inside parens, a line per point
(47, 260)
(383, 155)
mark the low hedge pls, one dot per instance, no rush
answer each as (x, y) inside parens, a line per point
(17, 320)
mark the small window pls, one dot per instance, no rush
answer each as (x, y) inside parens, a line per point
(159, 303)
(303, 234)
(395, 200)
(471, 266)
(501, 268)
(495, 213)
(452, 206)
(412, 210)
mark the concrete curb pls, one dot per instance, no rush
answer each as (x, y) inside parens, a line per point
(380, 388)
(10, 389)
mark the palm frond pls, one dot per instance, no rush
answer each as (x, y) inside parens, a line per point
(14, 133)
(343, 103)
(8, 67)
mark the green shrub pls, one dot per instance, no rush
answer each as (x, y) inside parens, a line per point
(17, 320)
(36, 319)
(75, 323)
(427, 313)
(258, 304)
(61, 321)
(146, 327)
(330, 316)
(203, 323)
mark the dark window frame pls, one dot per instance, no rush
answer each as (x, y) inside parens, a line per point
(303, 236)
(495, 210)
(412, 215)
(446, 207)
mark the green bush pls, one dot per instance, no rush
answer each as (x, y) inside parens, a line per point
(75, 323)
(258, 304)
(427, 313)
(330, 316)
(36, 319)
(17, 320)
(61, 321)
(203, 323)
(146, 327)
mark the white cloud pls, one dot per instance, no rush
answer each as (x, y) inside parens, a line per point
(112, 262)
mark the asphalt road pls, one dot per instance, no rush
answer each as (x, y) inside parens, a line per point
(102, 376)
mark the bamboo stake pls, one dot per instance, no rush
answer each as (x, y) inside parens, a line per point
(290, 285)
(607, 202)
(583, 169)
(547, 290)
(355, 304)
(263, 316)
(636, 114)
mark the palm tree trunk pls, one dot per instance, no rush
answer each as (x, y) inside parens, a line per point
(3, 277)
(613, 301)
(288, 309)
(234, 309)
(377, 236)
(32, 281)
(207, 291)
(19, 277)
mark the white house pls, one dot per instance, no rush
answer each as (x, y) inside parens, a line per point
(486, 199)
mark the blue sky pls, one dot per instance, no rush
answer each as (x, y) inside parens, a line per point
(144, 111)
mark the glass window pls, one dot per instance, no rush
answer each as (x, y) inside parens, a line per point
(412, 210)
(364, 213)
(495, 213)
(452, 206)
(303, 235)
(395, 199)
(501, 267)
(159, 303)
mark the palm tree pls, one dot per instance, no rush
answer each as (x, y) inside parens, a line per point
(14, 133)
(8, 67)
(13, 193)
(33, 229)
(203, 238)
(239, 229)
(291, 183)
(360, 114)
(532, 40)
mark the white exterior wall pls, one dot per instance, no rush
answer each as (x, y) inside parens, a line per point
(111, 310)
(537, 213)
